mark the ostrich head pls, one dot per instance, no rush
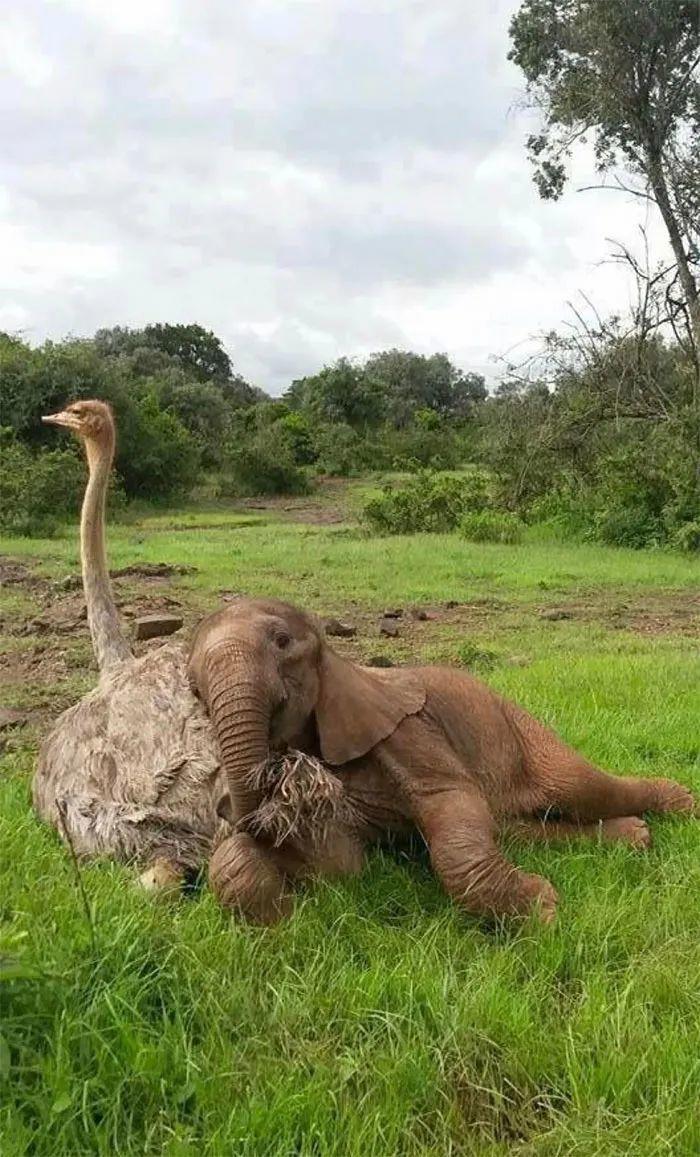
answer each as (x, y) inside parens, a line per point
(90, 420)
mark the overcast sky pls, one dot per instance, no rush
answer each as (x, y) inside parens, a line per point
(307, 178)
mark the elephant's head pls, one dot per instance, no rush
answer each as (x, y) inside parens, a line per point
(268, 677)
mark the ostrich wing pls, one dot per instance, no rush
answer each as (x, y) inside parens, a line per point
(133, 768)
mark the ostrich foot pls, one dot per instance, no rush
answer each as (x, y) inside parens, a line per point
(162, 878)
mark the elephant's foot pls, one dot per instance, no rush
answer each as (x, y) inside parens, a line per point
(630, 830)
(162, 877)
(497, 888)
(668, 796)
(244, 876)
(537, 897)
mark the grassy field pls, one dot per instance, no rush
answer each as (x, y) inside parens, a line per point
(377, 1020)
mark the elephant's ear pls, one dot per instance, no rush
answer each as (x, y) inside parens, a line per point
(357, 707)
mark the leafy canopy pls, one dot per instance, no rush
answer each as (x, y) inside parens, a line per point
(623, 70)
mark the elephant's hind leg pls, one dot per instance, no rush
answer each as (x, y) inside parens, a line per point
(581, 792)
(460, 832)
(560, 778)
(630, 830)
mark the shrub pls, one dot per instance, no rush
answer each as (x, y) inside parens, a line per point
(264, 464)
(299, 437)
(490, 526)
(38, 491)
(629, 526)
(337, 449)
(686, 537)
(476, 658)
(156, 456)
(430, 502)
(424, 446)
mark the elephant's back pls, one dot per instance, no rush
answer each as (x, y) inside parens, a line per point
(474, 719)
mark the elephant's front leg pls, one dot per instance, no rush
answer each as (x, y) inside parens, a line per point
(461, 835)
(255, 878)
(245, 876)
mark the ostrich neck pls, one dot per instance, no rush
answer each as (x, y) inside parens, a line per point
(108, 641)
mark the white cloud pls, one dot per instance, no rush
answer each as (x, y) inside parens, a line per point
(308, 178)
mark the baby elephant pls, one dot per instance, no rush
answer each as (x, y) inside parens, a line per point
(426, 748)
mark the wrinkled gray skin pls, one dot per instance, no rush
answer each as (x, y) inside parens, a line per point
(425, 748)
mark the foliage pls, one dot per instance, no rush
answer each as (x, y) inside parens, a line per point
(37, 490)
(490, 526)
(195, 349)
(606, 443)
(172, 420)
(339, 393)
(298, 434)
(475, 658)
(264, 463)
(388, 389)
(412, 382)
(429, 502)
(163, 458)
(686, 537)
(625, 72)
(202, 410)
(337, 448)
(428, 441)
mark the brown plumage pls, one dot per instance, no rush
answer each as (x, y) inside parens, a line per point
(133, 768)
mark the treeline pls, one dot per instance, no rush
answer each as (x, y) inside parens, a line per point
(600, 439)
(184, 415)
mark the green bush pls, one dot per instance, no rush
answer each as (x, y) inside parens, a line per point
(264, 463)
(38, 491)
(686, 537)
(630, 526)
(299, 436)
(490, 526)
(430, 502)
(476, 658)
(423, 446)
(156, 456)
(337, 450)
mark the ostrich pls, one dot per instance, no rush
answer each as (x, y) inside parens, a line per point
(133, 770)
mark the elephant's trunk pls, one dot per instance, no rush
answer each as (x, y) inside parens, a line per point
(240, 710)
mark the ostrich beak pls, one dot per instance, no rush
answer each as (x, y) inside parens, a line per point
(62, 418)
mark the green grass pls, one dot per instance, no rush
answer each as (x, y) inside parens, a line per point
(377, 1020)
(323, 565)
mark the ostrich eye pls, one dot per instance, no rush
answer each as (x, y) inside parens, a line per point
(283, 640)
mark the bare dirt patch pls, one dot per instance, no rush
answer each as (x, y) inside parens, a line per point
(326, 506)
(13, 572)
(47, 660)
(652, 613)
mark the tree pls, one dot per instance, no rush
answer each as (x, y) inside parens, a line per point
(624, 71)
(201, 408)
(342, 392)
(414, 382)
(238, 392)
(194, 347)
(38, 381)
(157, 457)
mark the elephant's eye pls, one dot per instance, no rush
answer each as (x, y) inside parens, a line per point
(282, 639)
